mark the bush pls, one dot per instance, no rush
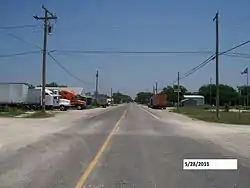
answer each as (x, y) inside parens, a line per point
(96, 104)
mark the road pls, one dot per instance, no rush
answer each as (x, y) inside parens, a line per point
(124, 147)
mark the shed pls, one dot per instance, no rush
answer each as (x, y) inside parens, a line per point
(193, 100)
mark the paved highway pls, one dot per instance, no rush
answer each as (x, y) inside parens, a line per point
(123, 147)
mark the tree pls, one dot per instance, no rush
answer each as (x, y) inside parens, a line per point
(243, 94)
(228, 95)
(121, 98)
(143, 97)
(53, 84)
(172, 96)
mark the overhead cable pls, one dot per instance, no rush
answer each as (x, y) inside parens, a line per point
(19, 54)
(67, 71)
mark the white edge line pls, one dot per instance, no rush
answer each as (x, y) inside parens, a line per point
(150, 113)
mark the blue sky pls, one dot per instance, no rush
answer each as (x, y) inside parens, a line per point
(130, 25)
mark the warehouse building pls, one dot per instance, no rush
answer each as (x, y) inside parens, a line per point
(193, 100)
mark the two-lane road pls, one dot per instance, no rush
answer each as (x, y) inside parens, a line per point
(123, 147)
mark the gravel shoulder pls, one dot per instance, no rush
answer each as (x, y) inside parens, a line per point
(235, 138)
(19, 132)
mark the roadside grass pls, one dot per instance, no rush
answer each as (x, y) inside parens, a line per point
(202, 113)
(11, 111)
(40, 114)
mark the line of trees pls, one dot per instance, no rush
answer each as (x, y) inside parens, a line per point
(228, 94)
(53, 84)
(121, 98)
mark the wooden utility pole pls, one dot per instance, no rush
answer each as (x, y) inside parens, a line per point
(247, 89)
(111, 95)
(96, 86)
(178, 92)
(216, 19)
(47, 30)
(210, 91)
(156, 87)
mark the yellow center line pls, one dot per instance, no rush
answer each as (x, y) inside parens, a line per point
(91, 166)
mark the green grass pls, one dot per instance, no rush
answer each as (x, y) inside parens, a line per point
(205, 115)
(40, 114)
(10, 112)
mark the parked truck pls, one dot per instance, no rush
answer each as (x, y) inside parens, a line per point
(158, 101)
(74, 99)
(64, 104)
(52, 100)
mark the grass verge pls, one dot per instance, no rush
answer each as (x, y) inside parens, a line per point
(40, 114)
(242, 118)
(10, 112)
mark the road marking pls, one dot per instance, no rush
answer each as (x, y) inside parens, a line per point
(117, 129)
(150, 113)
(102, 112)
(92, 164)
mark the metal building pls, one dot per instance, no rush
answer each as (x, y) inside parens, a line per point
(193, 100)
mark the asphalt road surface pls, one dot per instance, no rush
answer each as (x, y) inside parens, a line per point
(124, 147)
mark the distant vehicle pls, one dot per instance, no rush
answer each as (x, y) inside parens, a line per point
(103, 102)
(74, 100)
(158, 101)
(109, 101)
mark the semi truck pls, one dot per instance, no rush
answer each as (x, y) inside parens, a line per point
(74, 99)
(158, 101)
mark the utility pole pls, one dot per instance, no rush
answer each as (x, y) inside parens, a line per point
(111, 95)
(96, 85)
(216, 19)
(153, 89)
(247, 90)
(178, 90)
(47, 30)
(210, 91)
(156, 87)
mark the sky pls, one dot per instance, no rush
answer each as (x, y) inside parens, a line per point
(131, 25)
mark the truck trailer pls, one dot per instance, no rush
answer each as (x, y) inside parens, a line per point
(13, 93)
(158, 101)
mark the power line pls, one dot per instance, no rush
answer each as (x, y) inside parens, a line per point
(193, 70)
(19, 54)
(128, 52)
(67, 71)
(23, 40)
(237, 56)
(209, 59)
(19, 26)
(231, 49)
